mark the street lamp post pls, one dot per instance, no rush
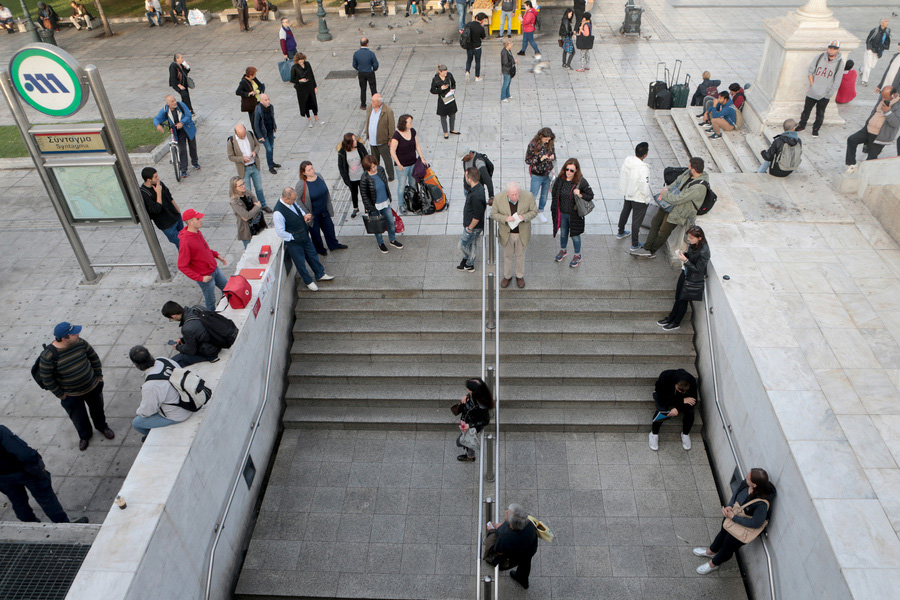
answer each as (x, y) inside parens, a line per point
(30, 26)
(324, 35)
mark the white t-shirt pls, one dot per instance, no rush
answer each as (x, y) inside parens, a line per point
(244, 145)
(373, 126)
(5, 13)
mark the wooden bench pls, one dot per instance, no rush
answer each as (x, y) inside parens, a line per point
(227, 14)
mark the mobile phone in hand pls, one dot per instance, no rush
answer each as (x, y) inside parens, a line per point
(172, 342)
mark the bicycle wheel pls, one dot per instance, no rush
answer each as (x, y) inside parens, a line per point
(173, 151)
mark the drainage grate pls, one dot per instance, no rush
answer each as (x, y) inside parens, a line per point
(349, 74)
(39, 571)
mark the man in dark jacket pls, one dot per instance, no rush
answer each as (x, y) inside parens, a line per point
(878, 40)
(162, 209)
(365, 63)
(195, 344)
(772, 156)
(471, 158)
(473, 220)
(473, 51)
(676, 392)
(517, 541)
(264, 127)
(21, 468)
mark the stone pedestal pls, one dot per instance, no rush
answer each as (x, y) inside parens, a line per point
(792, 42)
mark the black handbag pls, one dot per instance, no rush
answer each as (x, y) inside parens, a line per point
(375, 223)
(584, 42)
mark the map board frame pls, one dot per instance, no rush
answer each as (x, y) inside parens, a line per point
(69, 200)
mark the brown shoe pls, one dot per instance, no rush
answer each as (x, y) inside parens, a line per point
(108, 433)
(520, 281)
(505, 282)
(82, 445)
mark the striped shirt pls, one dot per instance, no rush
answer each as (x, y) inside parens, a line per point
(75, 371)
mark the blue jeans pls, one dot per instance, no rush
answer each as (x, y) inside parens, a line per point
(764, 167)
(252, 175)
(209, 288)
(476, 54)
(301, 251)
(506, 22)
(269, 143)
(143, 425)
(528, 38)
(392, 233)
(172, 232)
(461, 9)
(468, 244)
(564, 234)
(404, 178)
(157, 15)
(504, 89)
(540, 183)
(186, 360)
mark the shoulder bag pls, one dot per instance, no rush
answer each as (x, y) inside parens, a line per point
(743, 533)
(375, 223)
(584, 207)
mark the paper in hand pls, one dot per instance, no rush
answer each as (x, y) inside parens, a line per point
(660, 416)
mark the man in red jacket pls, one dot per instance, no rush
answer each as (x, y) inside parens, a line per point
(197, 260)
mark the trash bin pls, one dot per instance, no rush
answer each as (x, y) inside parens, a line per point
(632, 24)
(47, 35)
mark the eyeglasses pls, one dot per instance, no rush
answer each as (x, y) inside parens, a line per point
(568, 170)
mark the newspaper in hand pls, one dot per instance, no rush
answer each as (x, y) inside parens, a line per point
(516, 219)
(450, 96)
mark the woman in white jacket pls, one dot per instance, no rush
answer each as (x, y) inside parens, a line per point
(634, 182)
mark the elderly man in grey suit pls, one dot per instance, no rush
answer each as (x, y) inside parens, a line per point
(513, 210)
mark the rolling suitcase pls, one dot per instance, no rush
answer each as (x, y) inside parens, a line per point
(656, 87)
(680, 91)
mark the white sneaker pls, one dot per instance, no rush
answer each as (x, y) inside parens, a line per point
(541, 217)
(685, 441)
(505, 100)
(312, 286)
(326, 277)
(654, 442)
(851, 169)
(701, 552)
(705, 569)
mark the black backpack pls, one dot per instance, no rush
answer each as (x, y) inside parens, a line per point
(708, 201)
(411, 199)
(487, 163)
(36, 367)
(222, 330)
(465, 38)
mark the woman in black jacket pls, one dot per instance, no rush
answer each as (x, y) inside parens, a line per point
(702, 87)
(508, 68)
(444, 86)
(350, 166)
(249, 89)
(376, 197)
(178, 79)
(47, 16)
(755, 496)
(304, 81)
(474, 415)
(566, 34)
(564, 208)
(692, 279)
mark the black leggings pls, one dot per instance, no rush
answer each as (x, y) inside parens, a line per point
(679, 308)
(687, 419)
(354, 194)
(725, 545)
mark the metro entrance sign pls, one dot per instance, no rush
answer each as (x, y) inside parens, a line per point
(49, 80)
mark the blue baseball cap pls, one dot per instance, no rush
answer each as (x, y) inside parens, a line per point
(64, 329)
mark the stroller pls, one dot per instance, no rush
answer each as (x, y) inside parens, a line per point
(430, 194)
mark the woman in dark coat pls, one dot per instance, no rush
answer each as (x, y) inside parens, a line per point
(692, 279)
(249, 89)
(178, 79)
(304, 81)
(474, 415)
(444, 86)
(350, 156)
(564, 210)
(376, 197)
(47, 15)
(566, 36)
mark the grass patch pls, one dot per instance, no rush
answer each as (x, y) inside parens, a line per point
(135, 8)
(135, 132)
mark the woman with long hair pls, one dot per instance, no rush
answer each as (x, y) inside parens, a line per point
(474, 415)
(444, 85)
(304, 81)
(405, 150)
(350, 156)
(585, 41)
(247, 209)
(539, 157)
(249, 89)
(313, 195)
(376, 197)
(568, 185)
(566, 33)
(692, 279)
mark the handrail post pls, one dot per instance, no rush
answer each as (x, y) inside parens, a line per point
(491, 320)
(492, 232)
(489, 458)
(488, 511)
(487, 592)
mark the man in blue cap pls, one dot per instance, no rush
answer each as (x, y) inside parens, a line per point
(70, 369)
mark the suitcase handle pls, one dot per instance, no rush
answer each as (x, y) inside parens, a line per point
(676, 71)
(657, 69)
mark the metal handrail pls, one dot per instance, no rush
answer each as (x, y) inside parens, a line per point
(220, 525)
(727, 427)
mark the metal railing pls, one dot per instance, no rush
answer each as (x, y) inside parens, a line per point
(727, 427)
(220, 524)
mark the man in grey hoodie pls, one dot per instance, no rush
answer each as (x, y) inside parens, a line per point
(825, 72)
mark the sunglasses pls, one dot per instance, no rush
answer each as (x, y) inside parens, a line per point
(570, 170)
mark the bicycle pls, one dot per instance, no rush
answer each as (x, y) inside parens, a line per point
(174, 157)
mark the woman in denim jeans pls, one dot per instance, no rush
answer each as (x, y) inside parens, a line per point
(564, 209)
(539, 157)
(376, 197)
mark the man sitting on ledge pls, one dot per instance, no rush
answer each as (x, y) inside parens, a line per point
(195, 344)
(159, 398)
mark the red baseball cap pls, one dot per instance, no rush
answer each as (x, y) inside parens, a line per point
(191, 214)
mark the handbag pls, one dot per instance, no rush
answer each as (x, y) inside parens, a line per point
(542, 530)
(582, 206)
(190, 82)
(512, 71)
(560, 42)
(238, 291)
(375, 223)
(584, 42)
(742, 533)
(456, 409)
(399, 227)
(284, 69)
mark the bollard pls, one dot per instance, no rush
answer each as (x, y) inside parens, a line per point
(487, 592)
(489, 454)
(492, 232)
(489, 378)
(491, 322)
(488, 510)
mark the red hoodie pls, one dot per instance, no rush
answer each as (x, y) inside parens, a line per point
(195, 258)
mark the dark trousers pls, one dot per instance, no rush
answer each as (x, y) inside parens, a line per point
(725, 545)
(14, 486)
(383, 152)
(185, 360)
(77, 408)
(820, 113)
(865, 138)
(476, 54)
(354, 194)
(679, 308)
(523, 569)
(638, 210)
(186, 145)
(660, 230)
(185, 97)
(365, 78)
(244, 18)
(687, 415)
(301, 251)
(322, 224)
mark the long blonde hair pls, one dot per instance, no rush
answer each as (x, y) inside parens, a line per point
(232, 188)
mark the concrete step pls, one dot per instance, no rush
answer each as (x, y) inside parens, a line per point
(747, 160)
(693, 140)
(670, 130)
(720, 152)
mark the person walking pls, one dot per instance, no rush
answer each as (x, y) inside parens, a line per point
(197, 260)
(634, 184)
(539, 157)
(315, 199)
(517, 542)
(444, 86)
(474, 415)
(160, 205)
(380, 127)
(683, 198)
(247, 210)
(376, 197)
(70, 369)
(461, 12)
(249, 89)
(675, 393)
(350, 156)
(749, 509)
(365, 63)
(880, 129)
(179, 80)
(177, 117)
(578, 7)
(243, 14)
(567, 219)
(304, 81)
(405, 151)
(291, 222)
(514, 210)
(473, 220)
(585, 41)
(566, 33)
(22, 470)
(264, 128)
(286, 39)
(507, 8)
(528, 20)
(691, 280)
(507, 68)
(243, 150)
(476, 33)
(878, 40)
(825, 73)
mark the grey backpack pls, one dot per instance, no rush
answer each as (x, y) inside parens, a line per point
(790, 157)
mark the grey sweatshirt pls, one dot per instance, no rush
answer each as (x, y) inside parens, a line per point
(826, 76)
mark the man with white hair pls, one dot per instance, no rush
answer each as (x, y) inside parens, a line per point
(878, 40)
(517, 541)
(514, 209)
(243, 151)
